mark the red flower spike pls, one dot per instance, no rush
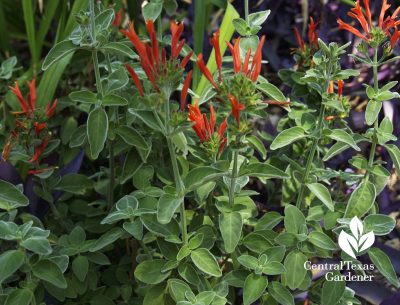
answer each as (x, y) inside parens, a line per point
(117, 19)
(196, 117)
(394, 38)
(235, 51)
(384, 8)
(312, 33)
(32, 94)
(256, 66)
(222, 128)
(39, 171)
(22, 102)
(368, 12)
(39, 127)
(203, 68)
(357, 13)
(139, 46)
(176, 31)
(39, 150)
(212, 119)
(246, 62)
(154, 41)
(135, 79)
(185, 89)
(51, 109)
(236, 108)
(331, 88)
(186, 59)
(349, 28)
(218, 58)
(300, 41)
(340, 87)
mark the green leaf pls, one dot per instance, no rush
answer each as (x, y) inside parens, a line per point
(134, 228)
(280, 293)
(49, 271)
(226, 31)
(118, 48)
(372, 111)
(19, 297)
(248, 261)
(29, 20)
(379, 224)
(106, 239)
(116, 80)
(37, 244)
(382, 262)
(272, 92)
(342, 136)
(263, 170)
(59, 51)
(167, 206)
(83, 96)
(268, 221)
(258, 145)
(80, 267)
(75, 184)
(152, 10)
(178, 289)
(10, 261)
(332, 291)
(294, 219)
(200, 175)
(206, 262)
(151, 223)
(11, 197)
(147, 117)
(322, 193)
(361, 200)
(97, 129)
(132, 137)
(114, 100)
(149, 271)
(240, 26)
(254, 287)
(295, 271)
(273, 268)
(230, 226)
(321, 240)
(258, 18)
(287, 137)
(394, 153)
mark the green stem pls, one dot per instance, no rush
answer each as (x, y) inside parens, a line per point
(310, 158)
(246, 10)
(112, 175)
(97, 72)
(234, 175)
(374, 138)
(175, 169)
(92, 22)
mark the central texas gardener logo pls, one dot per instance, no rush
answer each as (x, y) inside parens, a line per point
(357, 242)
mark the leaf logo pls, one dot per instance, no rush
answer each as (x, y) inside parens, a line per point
(357, 242)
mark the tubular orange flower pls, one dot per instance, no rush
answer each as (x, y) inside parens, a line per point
(39, 150)
(22, 102)
(340, 87)
(300, 41)
(365, 20)
(205, 128)
(117, 19)
(235, 51)
(39, 127)
(331, 88)
(135, 79)
(218, 58)
(185, 89)
(236, 108)
(203, 68)
(51, 109)
(313, 33)
(176, 31)
(5, 154)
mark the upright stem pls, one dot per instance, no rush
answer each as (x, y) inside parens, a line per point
(111, 164)
(246, 10)
(97, 72)
(235, 159)
(374, 139)
(310, 158)
(175, 169)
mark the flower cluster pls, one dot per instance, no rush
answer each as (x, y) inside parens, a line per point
(373, 35)
(205, 129)
(305, 52)
(163, 73)
(239, 88)
(31, 128)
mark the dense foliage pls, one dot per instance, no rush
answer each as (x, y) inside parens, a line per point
(140, 171)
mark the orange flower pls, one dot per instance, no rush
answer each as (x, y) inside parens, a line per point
(236, 108)
(203, 68)
(218, 57)
(365, 20)
(185, 89)
(5, 154)
(39, 150)
(117, 19)
(205, 128)
(312, 34)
